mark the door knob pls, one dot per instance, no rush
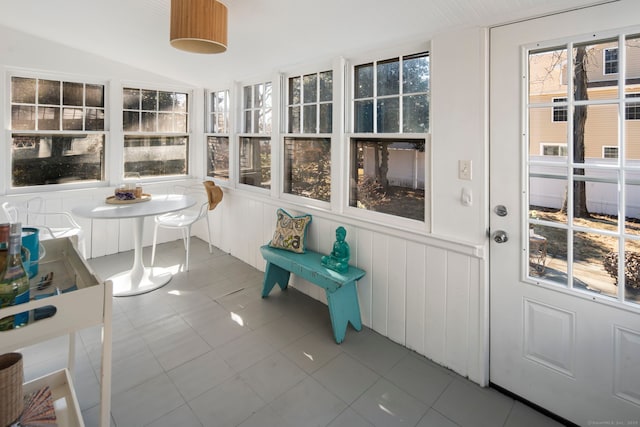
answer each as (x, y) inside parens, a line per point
(500, 236)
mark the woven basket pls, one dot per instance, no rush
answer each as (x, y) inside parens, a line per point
(11, 379)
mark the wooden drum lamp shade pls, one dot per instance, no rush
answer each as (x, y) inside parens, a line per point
(199, 26)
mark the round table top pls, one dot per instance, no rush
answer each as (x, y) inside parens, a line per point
(159, 204)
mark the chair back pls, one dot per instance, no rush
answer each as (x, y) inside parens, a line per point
(198, 193)
(9, 213)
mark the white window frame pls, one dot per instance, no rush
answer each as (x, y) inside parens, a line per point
(270, 131)
(188, 133)
(5, 182)
(301, 134)
(378, 218)
(211, 130)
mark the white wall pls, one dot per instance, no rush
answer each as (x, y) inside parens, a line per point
(427, 292)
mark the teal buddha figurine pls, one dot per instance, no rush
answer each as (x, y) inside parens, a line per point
(338, 259)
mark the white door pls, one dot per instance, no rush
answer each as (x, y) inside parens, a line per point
(564, 335)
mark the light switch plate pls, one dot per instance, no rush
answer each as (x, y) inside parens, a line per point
(464, 169)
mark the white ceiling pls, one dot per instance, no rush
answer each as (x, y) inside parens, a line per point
(263, 34)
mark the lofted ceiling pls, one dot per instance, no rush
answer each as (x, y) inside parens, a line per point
(263, 35)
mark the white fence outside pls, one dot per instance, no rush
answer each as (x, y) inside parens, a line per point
(602, 197)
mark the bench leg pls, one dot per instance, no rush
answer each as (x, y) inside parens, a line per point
(272, 275)
(344, 308)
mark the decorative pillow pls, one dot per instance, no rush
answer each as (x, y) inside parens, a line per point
(290, 232)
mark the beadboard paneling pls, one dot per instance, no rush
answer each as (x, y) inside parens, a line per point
(428, 296)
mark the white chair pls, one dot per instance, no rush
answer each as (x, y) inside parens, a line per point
(184, 219)
(36, 216)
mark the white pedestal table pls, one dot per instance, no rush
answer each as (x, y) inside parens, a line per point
(139, 279)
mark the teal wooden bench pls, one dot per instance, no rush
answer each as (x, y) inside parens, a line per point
(340, 288)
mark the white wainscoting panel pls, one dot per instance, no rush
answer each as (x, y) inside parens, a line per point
(425, 293)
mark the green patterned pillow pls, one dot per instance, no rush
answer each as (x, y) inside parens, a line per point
(290, 232)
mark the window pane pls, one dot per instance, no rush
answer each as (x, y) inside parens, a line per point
(180, 123)
(155, 155)
(310, 88)
(149, 100)
(165, 122)
(594, 133)
(94, 119)
(309, 114)
(49, 92)
(388, 115)
(307, 168)
(255, 162)
(547, 75)
(631, 271)
(130, 121)
(326, 86)
(548, 253)
(23, 90)
(363, 81)
(326, 118)
(388, 176)
(589, 263)
(131, 99)
(56, 159)
(218, 157)
(48, 118)
(258, 94)
(247, 97)
(248, 121)
(165, 101)
(294, 119)
(267, 95)
(415, 110)
(181, 103)
(72, 118)
(388, 74)
(265, 121)
(23, 117)
(545, 133)
(546, 195)
(415, 74)
(632, 225)
(632, 49)
(294, 90)
(148, 122)
(94, 95)
(363, 116)
(72, 94)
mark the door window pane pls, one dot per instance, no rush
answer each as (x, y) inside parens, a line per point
(575, 166)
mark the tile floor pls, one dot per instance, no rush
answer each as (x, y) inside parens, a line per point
(206, 350)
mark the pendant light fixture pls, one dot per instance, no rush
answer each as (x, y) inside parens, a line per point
(199, 26)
